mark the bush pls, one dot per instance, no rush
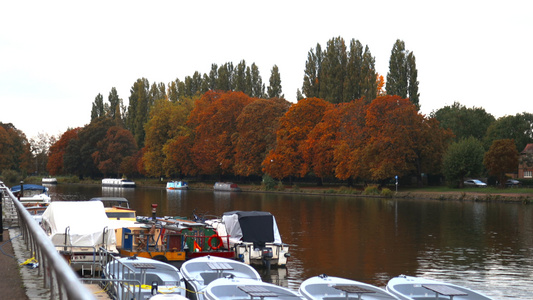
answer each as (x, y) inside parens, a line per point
(371, 190)
(268, 183)
(386, 192)
(280, 186)
(10, 176)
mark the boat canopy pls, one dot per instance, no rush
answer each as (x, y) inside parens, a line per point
(113, 201)
(29, 187)
(83, 221)
(257, 227)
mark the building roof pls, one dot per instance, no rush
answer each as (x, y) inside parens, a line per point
(528, 149)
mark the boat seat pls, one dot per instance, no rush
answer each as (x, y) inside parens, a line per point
(208, 277)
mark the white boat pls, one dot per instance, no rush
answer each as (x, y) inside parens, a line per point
(324, 287)
(117, 182)
(177, 185)
(31, 194)
(226, 186)
(415, 288)
(254, 236)
(240, 288)
(79, 229)
(199, 272)
(49, 180)
(143, 278)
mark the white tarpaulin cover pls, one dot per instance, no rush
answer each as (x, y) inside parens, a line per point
(86, 221)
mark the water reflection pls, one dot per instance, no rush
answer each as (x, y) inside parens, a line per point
(485, 246)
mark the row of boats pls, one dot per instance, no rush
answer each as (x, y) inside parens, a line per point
(216, 278)
(179, 258)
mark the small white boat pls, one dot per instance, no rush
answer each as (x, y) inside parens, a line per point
(239, 288)
(226, 186)
(199, 272)
(31, 194)
(117, 182)
(324, 287)
(143, 278)
(49, 180)
(254, 236)
(415, 288)
(177, 185)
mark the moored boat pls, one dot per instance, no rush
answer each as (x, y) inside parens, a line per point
(177, 185)
(324, 287)
(31, 194)
(201, 271)
(117, 182)
(415, 288)
(231, 288)
(143, 278)
(49, 180)
(254, 236)
(226, 186)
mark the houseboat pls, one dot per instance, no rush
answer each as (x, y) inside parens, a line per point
(117, 182)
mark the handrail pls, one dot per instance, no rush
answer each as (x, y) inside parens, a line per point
(58, 277)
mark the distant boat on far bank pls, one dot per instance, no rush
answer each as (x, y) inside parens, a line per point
(177, 185)
(117, 182)
(226, 186)
(49, 180)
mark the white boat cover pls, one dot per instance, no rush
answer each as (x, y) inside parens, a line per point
(86, 221)
(252, 226)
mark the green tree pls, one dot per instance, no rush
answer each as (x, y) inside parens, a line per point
(463, 159)
(333, 71)
(361, 74)
(501, 158)
(412, 74)
(114, 104)
(464, 122)
(98, 107)
(311, 84)
(518, 127)
(274, 89)
(258, 88)
(139, 109)
(402, 79)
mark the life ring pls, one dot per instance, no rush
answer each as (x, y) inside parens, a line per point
(219, 240)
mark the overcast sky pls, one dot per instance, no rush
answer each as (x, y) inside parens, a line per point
(56, 56)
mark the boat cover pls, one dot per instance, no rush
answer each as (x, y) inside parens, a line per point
(29, 187)
(257, 227)
(86, 221)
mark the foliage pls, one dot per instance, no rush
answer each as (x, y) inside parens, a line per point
(10, 176)
(518, 127)
(464, 122)
(117, 145)
(268, 183)
(256, 134)
(286, 158)
(386, 192)
(274, 89)
(501, 158)
(14, 149)
(371, 190)
(57, 151)
(402, 78)
(139, 106)
(463, 159)
(39, 149)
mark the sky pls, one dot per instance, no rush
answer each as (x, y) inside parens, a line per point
(57, 56)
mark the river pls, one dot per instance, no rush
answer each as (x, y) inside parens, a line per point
(484, 246)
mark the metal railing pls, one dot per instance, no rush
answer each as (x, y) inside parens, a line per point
(57, 275)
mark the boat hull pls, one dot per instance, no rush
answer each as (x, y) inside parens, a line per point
(327, 287)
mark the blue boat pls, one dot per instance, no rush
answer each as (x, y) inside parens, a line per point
(177, 185)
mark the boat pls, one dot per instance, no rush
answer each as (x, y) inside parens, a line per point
(49, 180)
(31, 194)
(414, 288)
(143, 278)
(78, 229)
(226, 186)
(117, 208)
(230, 288)
(177, 185)
(201, 271)
(253, 236)
(117, 182)
(323, 287)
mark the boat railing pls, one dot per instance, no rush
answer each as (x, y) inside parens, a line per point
(58, 277)
(115, 273)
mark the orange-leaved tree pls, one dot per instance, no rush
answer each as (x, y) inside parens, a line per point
(256, 133)
(286, 158)
(57, 150)
(117, 145)
(214, 119)
(501, 158)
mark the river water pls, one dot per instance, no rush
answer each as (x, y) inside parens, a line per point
(485, 246)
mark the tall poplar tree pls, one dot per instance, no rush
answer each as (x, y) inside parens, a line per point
(258, 88)
(311, 84)
(402, 79)
(98, 107)
(139, 109)
(114, 104)
(274, 89)
(333, 71)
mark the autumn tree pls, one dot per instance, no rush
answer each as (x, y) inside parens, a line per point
(501, 158)
(214, 121)
(14, 149)
(286, 158)
(463, 159)
(256, 133)
(111, 151)
(57, 151)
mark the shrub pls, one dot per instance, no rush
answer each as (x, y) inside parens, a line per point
(268, 183)
(386, 192)
(371, 190)
(280, 186)
(10, 176)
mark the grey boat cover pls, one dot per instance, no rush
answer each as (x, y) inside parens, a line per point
(256, 227)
